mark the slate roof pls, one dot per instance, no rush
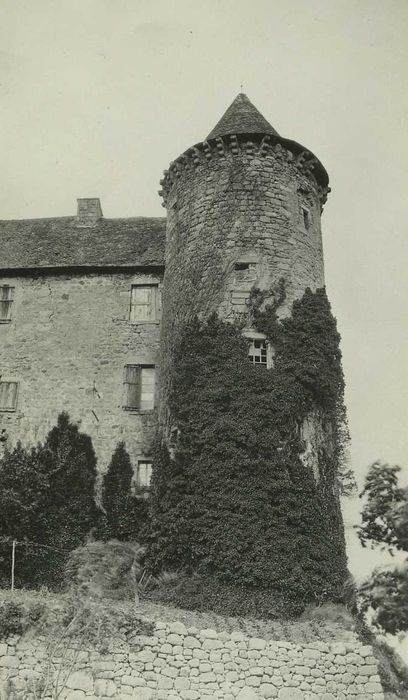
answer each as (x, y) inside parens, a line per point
(242, 117)
(58, 242)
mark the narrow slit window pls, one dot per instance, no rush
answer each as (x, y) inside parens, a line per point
(244, 266)
(8, 396)
(144, 303)
(6, 301)
(306, 218)
(258, 352)
(139, 387)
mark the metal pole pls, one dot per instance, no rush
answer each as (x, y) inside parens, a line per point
(13, 561)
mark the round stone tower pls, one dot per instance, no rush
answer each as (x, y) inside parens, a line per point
(243, 210)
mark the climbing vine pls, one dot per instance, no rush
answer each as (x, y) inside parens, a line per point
(234, 502)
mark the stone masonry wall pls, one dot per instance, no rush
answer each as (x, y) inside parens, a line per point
(180, 663)
(67, 343)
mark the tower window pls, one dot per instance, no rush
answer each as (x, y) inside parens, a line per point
(6, 301)
(258, 352)
(306, 218)
(144, 303)
(139, 387)
(8, 396)
(244, 266)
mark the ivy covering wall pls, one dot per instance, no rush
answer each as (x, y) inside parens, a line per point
(233, 503)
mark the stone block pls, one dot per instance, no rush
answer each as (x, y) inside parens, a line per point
(256, 643)
(191, 643)
(75, 695)
(104, 687)
(290, 694)
(209, 634)
(80, 680)
(133, 681)
(212, 644)
(267, 690)
(9, 661)
(178, 628)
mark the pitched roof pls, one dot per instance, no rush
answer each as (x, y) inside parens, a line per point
(59, 242)
(242, 117)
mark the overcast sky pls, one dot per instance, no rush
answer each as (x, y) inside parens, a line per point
(98, 96)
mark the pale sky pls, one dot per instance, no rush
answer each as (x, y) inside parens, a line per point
(98, 96)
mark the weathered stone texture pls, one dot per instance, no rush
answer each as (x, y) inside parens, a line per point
(67, 344)
(285, 670)
(237, 207)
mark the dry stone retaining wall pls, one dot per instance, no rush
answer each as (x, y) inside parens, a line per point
(180, 663)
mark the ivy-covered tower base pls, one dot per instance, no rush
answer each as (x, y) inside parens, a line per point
(251, 417)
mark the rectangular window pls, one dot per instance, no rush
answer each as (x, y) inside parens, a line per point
(8, 396)
(144, 473)
(139, 387)
(144, 303)
(6, 300)
(258, 352)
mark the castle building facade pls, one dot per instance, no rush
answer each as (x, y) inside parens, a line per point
(89, 305)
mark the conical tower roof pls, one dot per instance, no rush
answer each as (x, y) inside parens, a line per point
(242, 117)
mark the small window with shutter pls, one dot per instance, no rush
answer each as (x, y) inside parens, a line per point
(144, 303)
(6, 301)
(8, 396)
(139, 387)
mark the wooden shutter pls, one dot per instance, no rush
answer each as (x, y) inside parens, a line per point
(8, 396)
(143, 303)
(147, 387)
(6, 300)
(132, 386)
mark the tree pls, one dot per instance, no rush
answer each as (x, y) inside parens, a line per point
(47, 501)
(23, 488)
(69, 460)
(125, 513)
(385, 525)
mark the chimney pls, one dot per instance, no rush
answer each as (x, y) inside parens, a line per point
(89, 212)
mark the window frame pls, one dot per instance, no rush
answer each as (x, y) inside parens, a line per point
(251, 335)
(9, 301)
(149, 470)
(10, 409)
(137, 408)
(155, 304)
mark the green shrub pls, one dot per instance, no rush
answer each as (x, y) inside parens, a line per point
(47, 504)
(105, 569)
(19, 614)
(206, 594)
